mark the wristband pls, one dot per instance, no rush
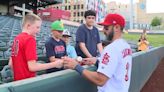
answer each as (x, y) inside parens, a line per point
(79, 69)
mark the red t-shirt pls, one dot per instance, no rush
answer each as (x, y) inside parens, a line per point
(23, 50)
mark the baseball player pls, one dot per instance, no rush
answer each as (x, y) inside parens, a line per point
(114, 65)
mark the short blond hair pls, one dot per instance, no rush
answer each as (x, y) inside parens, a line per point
(30, 18)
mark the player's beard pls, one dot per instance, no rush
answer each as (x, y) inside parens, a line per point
(109, 36)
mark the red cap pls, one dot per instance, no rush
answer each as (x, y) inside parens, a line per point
(113, 19)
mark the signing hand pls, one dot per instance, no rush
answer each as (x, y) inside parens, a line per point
(59, 63)
(69, 63)
(89, 61)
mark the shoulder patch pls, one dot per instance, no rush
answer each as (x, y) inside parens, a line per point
(105, 59)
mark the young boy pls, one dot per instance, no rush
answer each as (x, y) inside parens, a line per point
(71, 52)
(55, 47)
(88, 42)
(24, 55)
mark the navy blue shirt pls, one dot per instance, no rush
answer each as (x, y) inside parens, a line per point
(55, 48)
(88, 36)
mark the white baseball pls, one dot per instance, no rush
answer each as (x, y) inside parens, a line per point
(79, 58)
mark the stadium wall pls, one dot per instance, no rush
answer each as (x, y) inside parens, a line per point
(144, 63)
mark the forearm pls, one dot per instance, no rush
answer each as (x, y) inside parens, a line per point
(53, 59)
(99, 46)
(146, 42)
(93, 77)
(38, 67)
(85, 50)
(10, 63)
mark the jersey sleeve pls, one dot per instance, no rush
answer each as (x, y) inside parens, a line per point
(30, 49)
(108, 62)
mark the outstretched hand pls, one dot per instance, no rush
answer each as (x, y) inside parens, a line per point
(69, 63)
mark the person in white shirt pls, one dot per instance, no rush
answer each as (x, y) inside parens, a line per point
(114, 64)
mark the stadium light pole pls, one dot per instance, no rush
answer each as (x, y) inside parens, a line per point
(131, 14)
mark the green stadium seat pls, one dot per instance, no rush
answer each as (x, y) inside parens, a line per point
(6, 74)
(3, 49)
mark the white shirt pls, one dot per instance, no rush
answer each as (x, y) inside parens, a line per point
(115, 63)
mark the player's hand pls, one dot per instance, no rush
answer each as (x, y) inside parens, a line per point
(89, 61)
(59, 63)
(69, 63)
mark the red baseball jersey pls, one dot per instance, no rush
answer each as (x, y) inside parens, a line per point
(23, 50)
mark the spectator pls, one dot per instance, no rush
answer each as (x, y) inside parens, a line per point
(87, 37)
(55, 47)
(143, 44)
(71, 52)
(23, 54)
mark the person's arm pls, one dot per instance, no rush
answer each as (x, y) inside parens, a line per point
(34, 66)
(105, 70)
(95, 77)
(10, 63)
(138, 43)
(84, 49)
(53, 59)
(100, 47)
(146, 42)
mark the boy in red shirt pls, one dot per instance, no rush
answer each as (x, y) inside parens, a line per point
(24, 55)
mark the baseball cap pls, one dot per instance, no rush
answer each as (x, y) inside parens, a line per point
(113, 19)
(57, 25)
(66, 33)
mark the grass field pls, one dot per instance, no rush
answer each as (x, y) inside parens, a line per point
(155, 40)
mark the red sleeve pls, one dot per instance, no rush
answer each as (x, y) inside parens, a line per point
(30, 49)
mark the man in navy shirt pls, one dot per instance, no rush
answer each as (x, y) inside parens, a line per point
(87, 37)
(55, 47)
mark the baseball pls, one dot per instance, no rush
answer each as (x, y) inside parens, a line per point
(79, 58)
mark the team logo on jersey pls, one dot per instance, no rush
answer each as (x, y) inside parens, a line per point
(59, 49)
(15, 48)
(105, 59)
